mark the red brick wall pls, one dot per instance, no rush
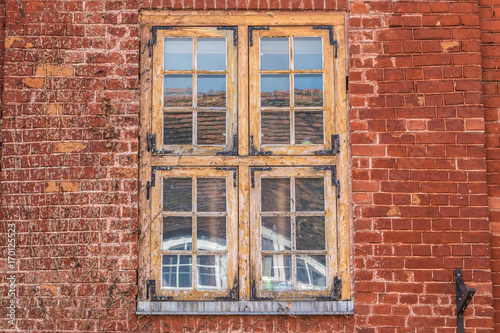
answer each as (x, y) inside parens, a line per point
(69, 166)
(489, 15)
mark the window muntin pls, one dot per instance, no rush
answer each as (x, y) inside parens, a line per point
(294, 231)
(195, 75)
(293, 112)
(195, 216)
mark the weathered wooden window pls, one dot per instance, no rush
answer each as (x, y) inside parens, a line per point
(244, 164)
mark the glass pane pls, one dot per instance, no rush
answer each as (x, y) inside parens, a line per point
(311, 272)
(310, 232)
(176, 271)
(276, 233)
(308, 89)
(211, 233)
(274, 53)
(308, 127)
(211, 54)
(178, 128)
(275, 90)
(275, 127)
(307, 53)
(178, 53)
(276, 272)
(177, 195)
(177, 233)
(212, 91)
(275, 194)
(309, 194)
(212, 272)
(211, 128)
(178, 90)
(211, 194)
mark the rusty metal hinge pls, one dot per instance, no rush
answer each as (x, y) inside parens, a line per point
(151, 292)
(234, 151)
(334, 149)
(253, 151)
(250, 33)
(235, 173)
(234, 30)
(152, 183)
(252, 173)
(335, 181)
(151, 145)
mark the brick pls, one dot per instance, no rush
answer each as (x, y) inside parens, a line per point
(53, 70)
(69, 147)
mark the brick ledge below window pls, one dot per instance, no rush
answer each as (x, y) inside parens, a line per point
(245, 308)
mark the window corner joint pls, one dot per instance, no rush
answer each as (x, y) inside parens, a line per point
(253, 151)
(252, 173)
(235, 173)
(330, 31)
(234, 30)
(251, 29)
(151, 292)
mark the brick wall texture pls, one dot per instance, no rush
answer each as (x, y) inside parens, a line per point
(424, 120)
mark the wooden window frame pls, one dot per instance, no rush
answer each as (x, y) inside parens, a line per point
(242, 163)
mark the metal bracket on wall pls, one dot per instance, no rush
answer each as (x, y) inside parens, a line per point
(252, 174)
(234, 151)
(235, 33)
(152, 41)
(152, 183)
(330, 30)
(255, 152)
(250, 33)
(464, 296)
(151, 145)
(337, 291)
(335, 148)
(151, 291)
(235, 173)
(335, 181)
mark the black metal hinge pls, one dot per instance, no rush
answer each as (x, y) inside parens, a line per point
(335, 181)
(235, 173)
(235, 33)
(255, 152)
(151, 292)
(336, 292)
(335, 148)
(152, 183)
(233, 293)
(464, 297)
(152, 41)
(151, 145)
(330, 30)
(234, 151)
(252, 173)
(254, 296)
(250, 33)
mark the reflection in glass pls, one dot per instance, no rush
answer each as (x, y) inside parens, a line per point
(309, 194)
(274, 53)
(275, 90)
(177, 233)
(177, 90)
(275, 127)
(211, 194)
(308, 127)
(211, 128)
(311, 272)
(176, 271)
(178, 128)
(211, 90)
(275, 194)
(276, 272)
(310, 232)
(307, 53)
(211, 234)
(212, 272)
(177, 195)
(308, 89)
(276, 233)
(211, 54)
(178, 53)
